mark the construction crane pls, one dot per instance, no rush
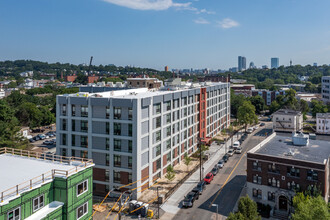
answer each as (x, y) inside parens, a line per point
(90, 64)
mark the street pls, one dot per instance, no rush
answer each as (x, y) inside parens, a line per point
(233, 175)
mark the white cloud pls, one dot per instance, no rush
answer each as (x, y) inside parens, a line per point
(227, 23)
(157, 5)
(205, 11)
(201, 21)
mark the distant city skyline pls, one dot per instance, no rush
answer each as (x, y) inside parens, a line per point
(158, 33)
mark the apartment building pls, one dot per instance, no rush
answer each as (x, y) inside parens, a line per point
(326, 89)
(268, 96)
(48, 187)
(135, 134)
(145, 82)
(281, 166)
(287, 120)
(323, 123)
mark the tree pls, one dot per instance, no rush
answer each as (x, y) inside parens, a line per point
(248, 208)
(236, 216)
(274, 106)
(29, 115)
(187, 160)
(247, 114)
(258, 102)
(170, 173)
(318, 107)
(235, 102)
(310, 208)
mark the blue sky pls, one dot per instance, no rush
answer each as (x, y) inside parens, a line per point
(155, 33)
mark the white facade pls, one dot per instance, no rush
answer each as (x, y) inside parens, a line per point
(326, 89)
(323, 123)
(135, 134)
(287, 120)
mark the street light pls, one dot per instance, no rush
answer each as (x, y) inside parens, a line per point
(216, 205)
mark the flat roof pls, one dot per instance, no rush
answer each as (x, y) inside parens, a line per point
(323, 115)
(316, 151)
(19, 170)
(287, 112)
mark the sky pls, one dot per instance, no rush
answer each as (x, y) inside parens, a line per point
(155, 33)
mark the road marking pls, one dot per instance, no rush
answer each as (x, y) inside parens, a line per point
(231, 173)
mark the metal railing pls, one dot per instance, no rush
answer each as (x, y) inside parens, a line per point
(50, 175)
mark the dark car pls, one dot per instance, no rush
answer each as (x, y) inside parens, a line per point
(201, 186)
(262, 124)
(215, 170)
(225, 158)
(190, 199)
(31, 140)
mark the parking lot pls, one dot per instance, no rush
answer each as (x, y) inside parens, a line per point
(44, 142)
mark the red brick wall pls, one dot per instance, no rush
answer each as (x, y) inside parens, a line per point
(124, 178)
(99, 174)
(145, 173)
(92, 79)
(145, 186)
(71, 78)
(164, 160)
(99, 190)
(154, 166)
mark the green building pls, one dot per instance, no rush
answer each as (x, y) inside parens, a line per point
(39, 186)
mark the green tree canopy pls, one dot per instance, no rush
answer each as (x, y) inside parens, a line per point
(247, 114)
(258, 102)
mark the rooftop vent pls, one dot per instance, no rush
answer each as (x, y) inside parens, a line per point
(300, 139)
(290, 153)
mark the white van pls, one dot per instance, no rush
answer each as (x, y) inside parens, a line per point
(249, 130)
(236, 144)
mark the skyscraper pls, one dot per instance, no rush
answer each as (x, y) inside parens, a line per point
(275, 62)
(241, 63)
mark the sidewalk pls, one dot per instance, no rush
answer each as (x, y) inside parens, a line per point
(172, 205)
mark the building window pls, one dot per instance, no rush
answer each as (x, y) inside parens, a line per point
(73, 110)
(168, 118)
(63, 139)
(116, 177)
(158, 150)
(158, 163)
(116, 128)
(130, 113)
(38, 203)
(130, 163)
(64, 124)
(107, 159)
(107, 144)
(73, 128)
(84, 141)
(116, 113)
(168, 157)
(107, 128)
(257, 193)
(14, 214)
(117, 144)
(130, 130)
(168, 105)
(158, 136)
(257, 179)
(64, 152)
(84, 111)
(82, 210)
(256, 166)
(130, 178)
(157, 108)
(271, 196)
(272, 168)
(82, 187)
(107, 112)
(312, 175)
(168, 144)
(130, 146)
(117, 160)
(293, 172)
(64, 109)
(168, 131)
(84, 126)
(73, 140)
(107, 175)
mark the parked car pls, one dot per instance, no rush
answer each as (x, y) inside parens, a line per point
(42, 136)
(190, 198)
(48, 143)
(256, 127)
(249, 130)
(230, 152)
(262, 124)
(221, 163)
(225, 158)
(200, 186)
(238, 150)
(50, 134)
(36, 138)
(208, 178)
(54, 140)
(236, 144)
(31, 140)
(215, 170)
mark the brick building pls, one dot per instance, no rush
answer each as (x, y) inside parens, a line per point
(281, 165)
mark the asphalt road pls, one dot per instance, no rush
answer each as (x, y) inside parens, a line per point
(225, 188)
